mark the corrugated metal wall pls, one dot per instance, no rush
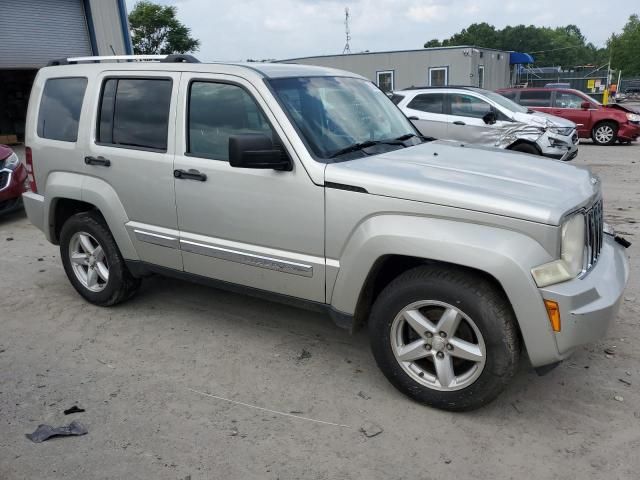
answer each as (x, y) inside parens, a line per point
(411, 67)
(32, 32)
(108, 27)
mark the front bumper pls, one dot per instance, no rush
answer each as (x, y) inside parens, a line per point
(629, 132)
(559, 147)
(589, 304)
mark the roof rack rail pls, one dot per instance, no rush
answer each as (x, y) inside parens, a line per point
(171, 58)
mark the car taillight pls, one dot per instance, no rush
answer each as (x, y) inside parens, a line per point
(31, 176)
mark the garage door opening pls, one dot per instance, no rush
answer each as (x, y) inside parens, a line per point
(15, 86)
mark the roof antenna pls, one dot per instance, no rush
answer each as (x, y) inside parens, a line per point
(347, 48)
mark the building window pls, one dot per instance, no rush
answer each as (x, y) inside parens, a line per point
(385, 80)
(481, 76)
(60, 108)
(134, 112)
(438, 76)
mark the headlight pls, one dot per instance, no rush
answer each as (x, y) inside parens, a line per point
(11, 162)
(571, 257)
(561, 130)
(633, 117)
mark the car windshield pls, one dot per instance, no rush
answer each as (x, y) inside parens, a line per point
(505, 102)
(335, 114)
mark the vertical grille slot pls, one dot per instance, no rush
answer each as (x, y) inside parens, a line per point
(4, 179)
(593, 235)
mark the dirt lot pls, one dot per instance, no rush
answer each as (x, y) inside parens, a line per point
(137, 370)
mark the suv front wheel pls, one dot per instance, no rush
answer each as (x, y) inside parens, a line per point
(93, 262)
(445, 337)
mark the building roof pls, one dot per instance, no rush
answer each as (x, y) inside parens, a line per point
(457, 47)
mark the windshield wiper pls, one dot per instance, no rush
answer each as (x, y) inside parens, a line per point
(355, 147)
(407, 136)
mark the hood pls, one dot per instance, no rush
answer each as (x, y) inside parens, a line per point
(4, 152)
(544, 120)
(488, 180)
(624, 108)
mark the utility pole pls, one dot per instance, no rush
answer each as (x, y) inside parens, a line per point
(347, 47)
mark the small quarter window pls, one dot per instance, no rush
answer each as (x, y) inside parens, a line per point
(60, 108)
(134, 112)
(217, 111)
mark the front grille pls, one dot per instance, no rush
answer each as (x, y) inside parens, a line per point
(4, 179)
(593, 235)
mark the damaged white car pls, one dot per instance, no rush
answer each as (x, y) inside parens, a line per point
(481, 117)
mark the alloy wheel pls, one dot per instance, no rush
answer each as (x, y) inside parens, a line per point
(604, 134)
(438, 345)
(88, 261)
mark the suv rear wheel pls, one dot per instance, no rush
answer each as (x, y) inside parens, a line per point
(605, 133)
(93, 262)
(445, 337)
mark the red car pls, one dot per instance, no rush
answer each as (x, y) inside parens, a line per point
(12, 180)
(603, 123)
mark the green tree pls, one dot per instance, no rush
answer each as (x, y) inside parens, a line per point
(156, 30)
(565, 46)
(625, 48)
(433, 43)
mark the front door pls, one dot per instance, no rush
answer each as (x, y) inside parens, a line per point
(426, 111)
(132, 152)
(258, 228)
(466, 122)
(569, 105)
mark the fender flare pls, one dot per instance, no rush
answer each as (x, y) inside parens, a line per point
(505, 255)
(73, 186)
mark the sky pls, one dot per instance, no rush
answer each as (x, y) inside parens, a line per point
(281, 29)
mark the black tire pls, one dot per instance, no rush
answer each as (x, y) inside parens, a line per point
(121, 285)
(476, 297)
(597, 139)
(526, 148)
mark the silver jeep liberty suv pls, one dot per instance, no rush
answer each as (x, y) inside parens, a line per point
(308, 184)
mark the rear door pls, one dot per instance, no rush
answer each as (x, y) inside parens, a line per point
(569, 105)
(536, 99)
(427, 112)
(132, 153)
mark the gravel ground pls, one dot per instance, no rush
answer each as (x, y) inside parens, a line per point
(138, 369)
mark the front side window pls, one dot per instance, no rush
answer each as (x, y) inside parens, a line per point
(385, 81)
(568, 100)
(468, 106)
(217, 111)
(134, 112)
(428, 102)
(438, 76)
(60, 107)
(331, 113)
(535, 98)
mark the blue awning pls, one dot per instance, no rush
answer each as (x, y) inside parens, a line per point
(520, 58)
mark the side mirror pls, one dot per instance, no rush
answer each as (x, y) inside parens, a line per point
(490, 118)
(256, 151)
(585, 105)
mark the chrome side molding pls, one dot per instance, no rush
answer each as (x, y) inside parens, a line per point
(157, 239)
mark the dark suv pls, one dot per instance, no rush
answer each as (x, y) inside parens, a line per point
(603, 123)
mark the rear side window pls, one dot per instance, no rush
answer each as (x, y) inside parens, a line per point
(134, 112)
(428, 102)
(535, 98)
(217, 111)
(60, 108)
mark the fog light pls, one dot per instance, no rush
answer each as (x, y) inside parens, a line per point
(553, 311)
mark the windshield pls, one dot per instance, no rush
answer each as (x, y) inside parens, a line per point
(505, 102)
(334, 113)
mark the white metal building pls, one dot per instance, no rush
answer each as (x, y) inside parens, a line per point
(34, 32)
